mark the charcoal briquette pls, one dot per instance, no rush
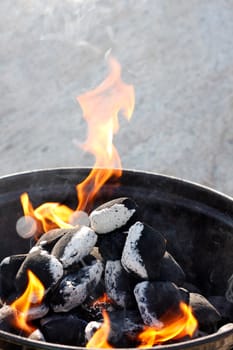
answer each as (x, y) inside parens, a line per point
(112, 244)
(91, 328)
(7, 316)
(170, 270)
(48, 240)
(143, 251)
(125, 325)
(37, 311)
(8, 269)
(155, 299)
(113, 215)
(37, 335)
(119, 285)
(45, 266)
(206, 314)
(75, 288)
(64, 329)
(75, 245)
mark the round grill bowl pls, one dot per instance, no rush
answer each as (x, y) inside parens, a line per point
(196, 221)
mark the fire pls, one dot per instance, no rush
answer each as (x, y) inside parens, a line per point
(100, 109)
(177, 327)
(49, 215)
(103, 300)
(33, 294)
(99, 339)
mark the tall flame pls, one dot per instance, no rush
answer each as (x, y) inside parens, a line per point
(100, 338)
(100, 109)
(173, 328)
(33, 294)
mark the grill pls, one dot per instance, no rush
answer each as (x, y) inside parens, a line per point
(196, 221)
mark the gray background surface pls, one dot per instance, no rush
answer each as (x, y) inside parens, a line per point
(178, 54)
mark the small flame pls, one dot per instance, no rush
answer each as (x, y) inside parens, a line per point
(33, 294)
(103, 300)
(100, 338)
(175, 328)
(49, 215)
(100, 109)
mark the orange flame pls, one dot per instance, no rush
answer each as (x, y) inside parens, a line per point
(100, 109)
(103, 300)
(50, 215)
(99, 339)
(33, 294)
(178, 327)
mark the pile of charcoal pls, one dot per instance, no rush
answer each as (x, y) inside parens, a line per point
(115, 254)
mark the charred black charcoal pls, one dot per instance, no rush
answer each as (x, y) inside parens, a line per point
(170, 270)
(45, 266)
(155, 299)
(48, 240)
(119, 284)
(74, 289)
(112, 215)
(125, 325)
(206, 314)
(223, 306)
(143, 251)
(64, 329)
(74, 246)
(88, 260)
(112, 244)
(8, 269)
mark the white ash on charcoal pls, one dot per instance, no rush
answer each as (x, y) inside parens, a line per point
(7, 316)
(45, 266)
(79, 217)
(65, 329)
(74, 246)
(223, 306)
(9, 267)
(170, 270)
(119, 284)
(74, 289)
(112, 215)
(155, 299)
(36, 335)
(191, 287)
(91, 328)
(206, 314)
(143, 251)
(36, 312)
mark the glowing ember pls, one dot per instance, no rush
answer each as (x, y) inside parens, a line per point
(176, 327)
(100, 109)
(103, 300)
(33, 294)
(99, 339)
